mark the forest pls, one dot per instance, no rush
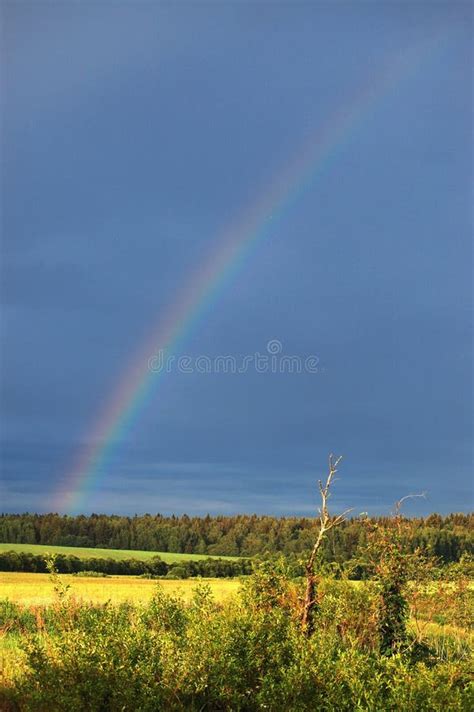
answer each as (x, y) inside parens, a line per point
(446, 538)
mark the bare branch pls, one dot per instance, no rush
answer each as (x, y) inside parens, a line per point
(341, 517)
(399, 502)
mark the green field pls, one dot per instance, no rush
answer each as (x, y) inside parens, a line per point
(120, 554)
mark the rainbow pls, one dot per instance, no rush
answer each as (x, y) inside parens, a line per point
(139, 383)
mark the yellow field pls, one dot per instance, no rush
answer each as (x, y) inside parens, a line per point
(37, 589)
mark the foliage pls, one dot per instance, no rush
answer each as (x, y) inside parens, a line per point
(246, 654)
(387, 557)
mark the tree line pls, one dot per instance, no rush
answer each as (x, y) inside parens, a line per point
(446, 538)
(68, 564)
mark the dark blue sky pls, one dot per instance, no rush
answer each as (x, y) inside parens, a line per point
(132, 135)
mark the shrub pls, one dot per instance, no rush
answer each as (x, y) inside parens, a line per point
(247, 654)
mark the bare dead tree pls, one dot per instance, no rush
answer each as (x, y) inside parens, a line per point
(326, 522)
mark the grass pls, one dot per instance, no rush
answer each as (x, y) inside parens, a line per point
(36, 589)
(31, 590)
(446, 640)
(118, 554)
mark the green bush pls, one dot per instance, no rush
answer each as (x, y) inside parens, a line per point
(247, 654)
(15, 619)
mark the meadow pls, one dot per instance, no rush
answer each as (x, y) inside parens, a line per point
(36, 589)
(96, 553)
